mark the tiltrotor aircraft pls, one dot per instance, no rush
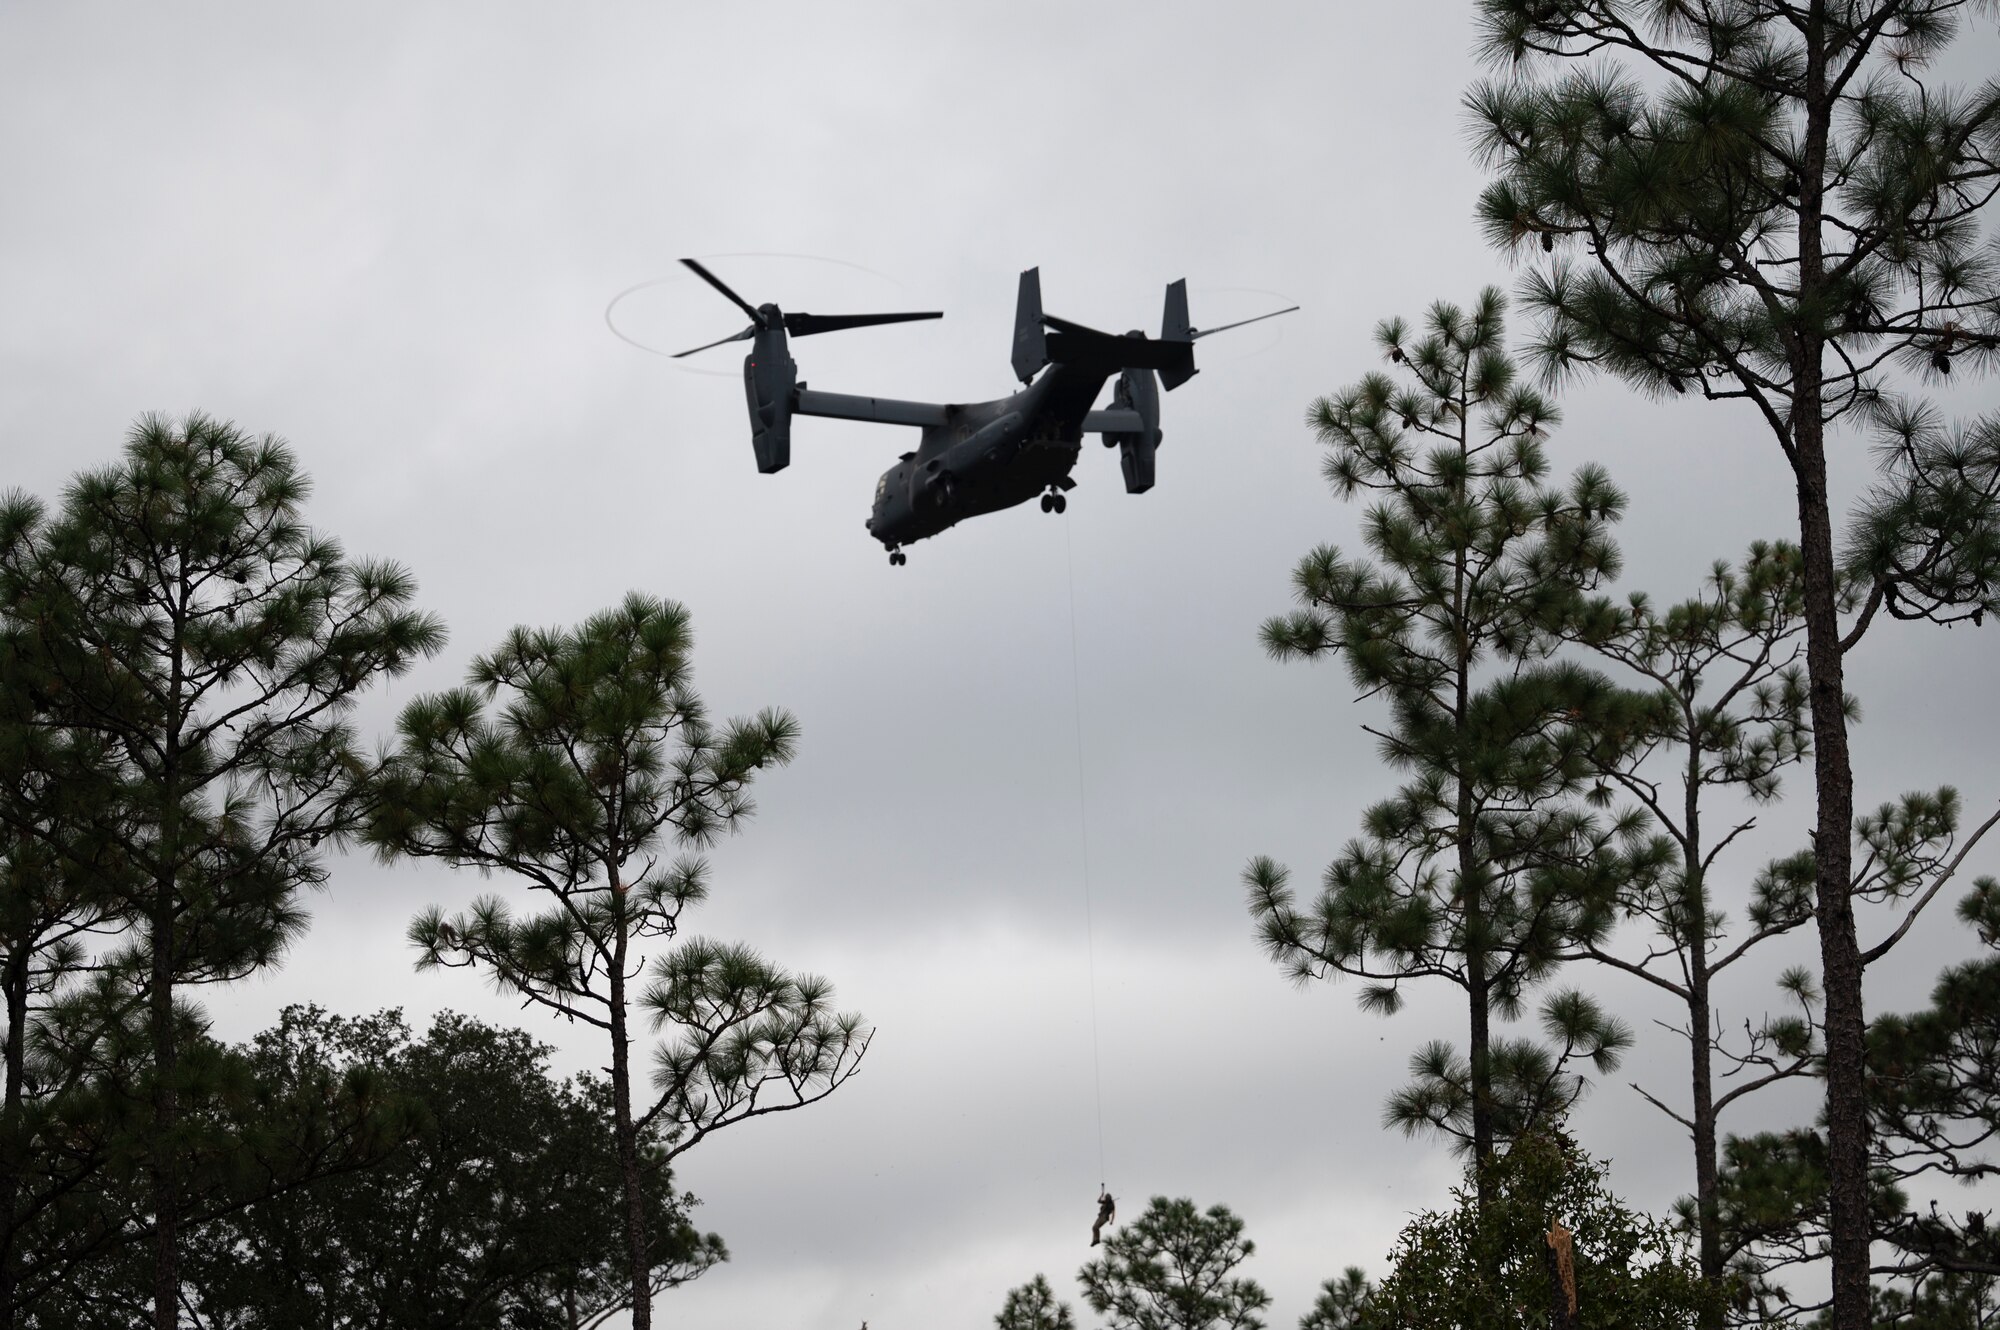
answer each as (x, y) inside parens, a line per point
(979, 457)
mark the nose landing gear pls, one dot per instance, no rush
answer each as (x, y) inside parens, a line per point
(897, 558)
(1053, 501)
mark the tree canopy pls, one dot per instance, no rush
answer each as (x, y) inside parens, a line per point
(1171, 1269)
(574, 762)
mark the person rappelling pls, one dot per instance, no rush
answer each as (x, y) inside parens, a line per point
(1107, 1210)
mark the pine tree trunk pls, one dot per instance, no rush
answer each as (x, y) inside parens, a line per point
(627, 1135)
(1478, 989)
(1471, 881)
(1701, 1050)
(166, 1054)
(1478, 993)
(166, 1115)
(1840, 952)
(1479, 1059)
(13, 1151)
(1481, 1065)
(1708, 1207)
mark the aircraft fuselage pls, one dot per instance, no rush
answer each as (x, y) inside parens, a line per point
(985, 456)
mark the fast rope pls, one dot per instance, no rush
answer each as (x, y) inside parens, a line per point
(1083, 830)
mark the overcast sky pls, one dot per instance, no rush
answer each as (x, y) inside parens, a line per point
(389, 233)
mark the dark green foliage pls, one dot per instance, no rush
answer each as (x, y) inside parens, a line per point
(1935, 1101)
(1484, 1264)
(61, 880)
(177, 619)
(1682, 191)
(1934, 1111)
(1033, 1306)
(188, 621)
(1909, 846)
(1713, 702)
(241, 1139)
(1343, 1304)
(1717, 675)
(1528, 1081)
(575, 762)
(1943, 1302)
(1169, 1269)
(1478, 871)
(1924, 543)
(1775, 204)
(501, 1208)
(1774, 1205)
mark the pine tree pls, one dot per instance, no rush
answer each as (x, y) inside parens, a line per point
(1935, 1102)
(1034, 1306)
(1712, 702)
(211, 644)
(1170, 1269)
(1934, 1111)
(1766, 202)
(60, 881)
(1454, 877)
(573, 761)
(1345, 1303)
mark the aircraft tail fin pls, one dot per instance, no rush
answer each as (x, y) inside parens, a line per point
(1176, 327)
(1031, 348)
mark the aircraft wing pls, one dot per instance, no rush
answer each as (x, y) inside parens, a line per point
(885, 410)
(1116, 420)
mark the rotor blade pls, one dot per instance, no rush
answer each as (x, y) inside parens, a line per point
(743, 336)
(805, 325)
(1203, 332)
(718, 284)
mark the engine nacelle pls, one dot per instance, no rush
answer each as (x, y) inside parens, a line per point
(1139, 392)
(770, 382)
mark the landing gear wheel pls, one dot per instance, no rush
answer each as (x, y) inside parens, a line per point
(1057, 502)
(1048, 503)
(897, 558)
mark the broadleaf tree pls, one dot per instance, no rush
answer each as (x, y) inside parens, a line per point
(574, 761)
(501, 1207)
(243, 1140)
(1489, 1263)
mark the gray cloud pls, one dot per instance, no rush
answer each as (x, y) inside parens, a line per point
(389, 234)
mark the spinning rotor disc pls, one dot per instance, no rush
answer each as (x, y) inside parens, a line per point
(692, 295)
